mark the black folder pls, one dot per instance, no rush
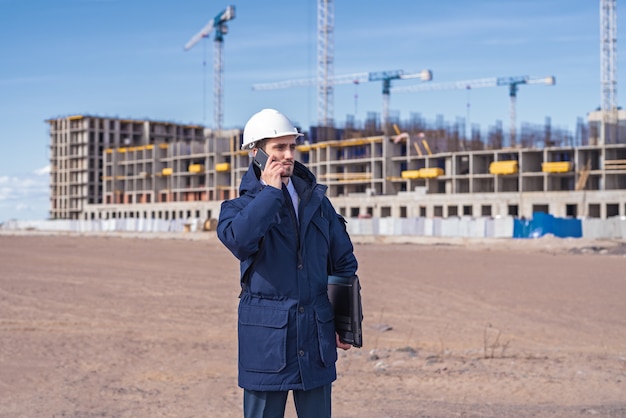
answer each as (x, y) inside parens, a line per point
(345, 296)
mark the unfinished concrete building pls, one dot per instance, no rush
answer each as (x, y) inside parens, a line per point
(78, 147)
(105, 168)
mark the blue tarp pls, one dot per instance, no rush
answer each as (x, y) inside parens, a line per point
(542, 224)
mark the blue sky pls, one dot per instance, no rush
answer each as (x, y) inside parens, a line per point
(125, 58)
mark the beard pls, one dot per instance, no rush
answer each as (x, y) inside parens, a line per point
(287, 171)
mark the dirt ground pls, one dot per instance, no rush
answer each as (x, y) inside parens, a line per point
(110, 326)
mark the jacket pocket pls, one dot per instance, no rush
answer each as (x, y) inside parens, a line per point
(263, 339)
(324, 317)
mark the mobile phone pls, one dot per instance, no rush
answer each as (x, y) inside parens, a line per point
(260, 159)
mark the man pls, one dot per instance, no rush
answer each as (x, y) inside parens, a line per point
(288, 238)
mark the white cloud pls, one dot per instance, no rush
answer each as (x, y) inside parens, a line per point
(25, 197)
(43, 171)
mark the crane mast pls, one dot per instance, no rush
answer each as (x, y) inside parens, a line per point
(325, 62)
(513, 83)
(608, 70)
(608, 37)
(218, 23)
(386, 77)
(218, 87)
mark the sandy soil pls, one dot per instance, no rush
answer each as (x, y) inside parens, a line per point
(106, 326)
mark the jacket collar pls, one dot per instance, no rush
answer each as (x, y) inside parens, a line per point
(303, 180)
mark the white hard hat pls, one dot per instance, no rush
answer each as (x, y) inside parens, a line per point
(268, 123)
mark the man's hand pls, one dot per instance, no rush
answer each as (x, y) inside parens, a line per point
(272, 175)
(342, 345)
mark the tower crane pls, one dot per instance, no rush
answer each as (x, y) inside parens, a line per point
(325, 70)
(608, 70)
(608, 35)
(385, 76)
(325, 60)
(512, 82)
(218, 23)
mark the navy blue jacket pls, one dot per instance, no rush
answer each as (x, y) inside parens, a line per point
(285, 327)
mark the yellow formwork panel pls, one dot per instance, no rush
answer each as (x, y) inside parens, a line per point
(411, 174)
(423, 173)
(431, 172)
(167, 171)
(196, 168)
(556, 167)
(222, 167)
(503, 167)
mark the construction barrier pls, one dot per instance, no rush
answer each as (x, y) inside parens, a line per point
(543, 224)
(463, 227)
(611, 228)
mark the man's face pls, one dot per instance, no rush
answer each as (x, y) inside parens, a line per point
(282, 150)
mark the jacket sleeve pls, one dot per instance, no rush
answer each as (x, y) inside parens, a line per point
(342, 261)
(244, 221)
